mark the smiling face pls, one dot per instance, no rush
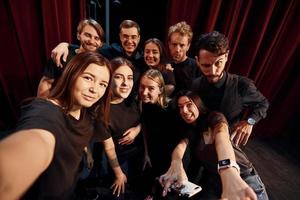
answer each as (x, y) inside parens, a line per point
(130, 39)
(89, 39)
(188, 110)
(152, 54)
(122, 82)
(149, 90)
(90, 86)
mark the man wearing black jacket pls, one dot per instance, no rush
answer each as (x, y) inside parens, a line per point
(235, 96)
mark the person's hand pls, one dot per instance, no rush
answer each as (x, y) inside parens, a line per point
(119, 184)
(129, 136)
(61, 50)
(175, 176)
(234, 187)
(169, 67)
(241, 133)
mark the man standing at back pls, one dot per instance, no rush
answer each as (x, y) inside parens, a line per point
(185, 69)
(129, 38)
(235, 96)
(90, 36)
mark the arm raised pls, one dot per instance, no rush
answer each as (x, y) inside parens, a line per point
(61, 50)
(24, 155)
(233, 186)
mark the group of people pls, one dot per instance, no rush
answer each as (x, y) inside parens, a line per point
(141, 122)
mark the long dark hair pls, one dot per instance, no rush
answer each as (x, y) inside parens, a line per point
(162, 52)
(65, 84)
(195, 98)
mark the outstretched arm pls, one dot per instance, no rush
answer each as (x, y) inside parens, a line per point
(233, 186)
(23, 157)
(61, 50)
(119, 183)
(176, 173)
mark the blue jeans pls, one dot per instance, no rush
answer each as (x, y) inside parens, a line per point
(257, 185)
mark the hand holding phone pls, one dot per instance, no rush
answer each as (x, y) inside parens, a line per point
(188, 189)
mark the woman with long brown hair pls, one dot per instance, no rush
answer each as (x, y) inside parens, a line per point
(40, 159)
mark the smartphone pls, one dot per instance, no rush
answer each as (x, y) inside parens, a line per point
(188, 189)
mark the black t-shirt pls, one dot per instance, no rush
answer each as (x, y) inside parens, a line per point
(161, 135)
(54, 72)
(71, 136)
(169, 77)
(123, 116)
(185, 72)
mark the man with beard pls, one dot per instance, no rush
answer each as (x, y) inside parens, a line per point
(235, 96)
(90, 35)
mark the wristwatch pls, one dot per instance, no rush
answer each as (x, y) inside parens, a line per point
(251, 121)
(222, 164)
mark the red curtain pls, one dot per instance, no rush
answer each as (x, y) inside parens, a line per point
(264, 39)
(28, 31)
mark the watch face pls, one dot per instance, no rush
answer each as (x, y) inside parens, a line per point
(251, 121)
(225, 162)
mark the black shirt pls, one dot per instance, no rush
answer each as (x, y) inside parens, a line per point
(161, 135)
(123, 116)
(71, 136)
(185, 72)
(238, 94)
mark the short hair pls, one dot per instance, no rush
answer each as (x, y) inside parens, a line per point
(63, 90)
(157, 77)
(193, 96)
(92, 23)
(119, 61)
(162, 51)
(183, 29)
(214, 42)
(129, 24)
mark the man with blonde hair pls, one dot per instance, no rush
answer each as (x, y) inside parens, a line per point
(185, 69)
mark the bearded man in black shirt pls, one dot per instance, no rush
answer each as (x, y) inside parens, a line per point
(235, 96)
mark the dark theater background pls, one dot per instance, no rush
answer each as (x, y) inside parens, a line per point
(264, 38)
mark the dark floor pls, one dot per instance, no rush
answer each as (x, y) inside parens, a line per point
(279, 170)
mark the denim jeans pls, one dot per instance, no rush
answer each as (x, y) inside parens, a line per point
(257, 185)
